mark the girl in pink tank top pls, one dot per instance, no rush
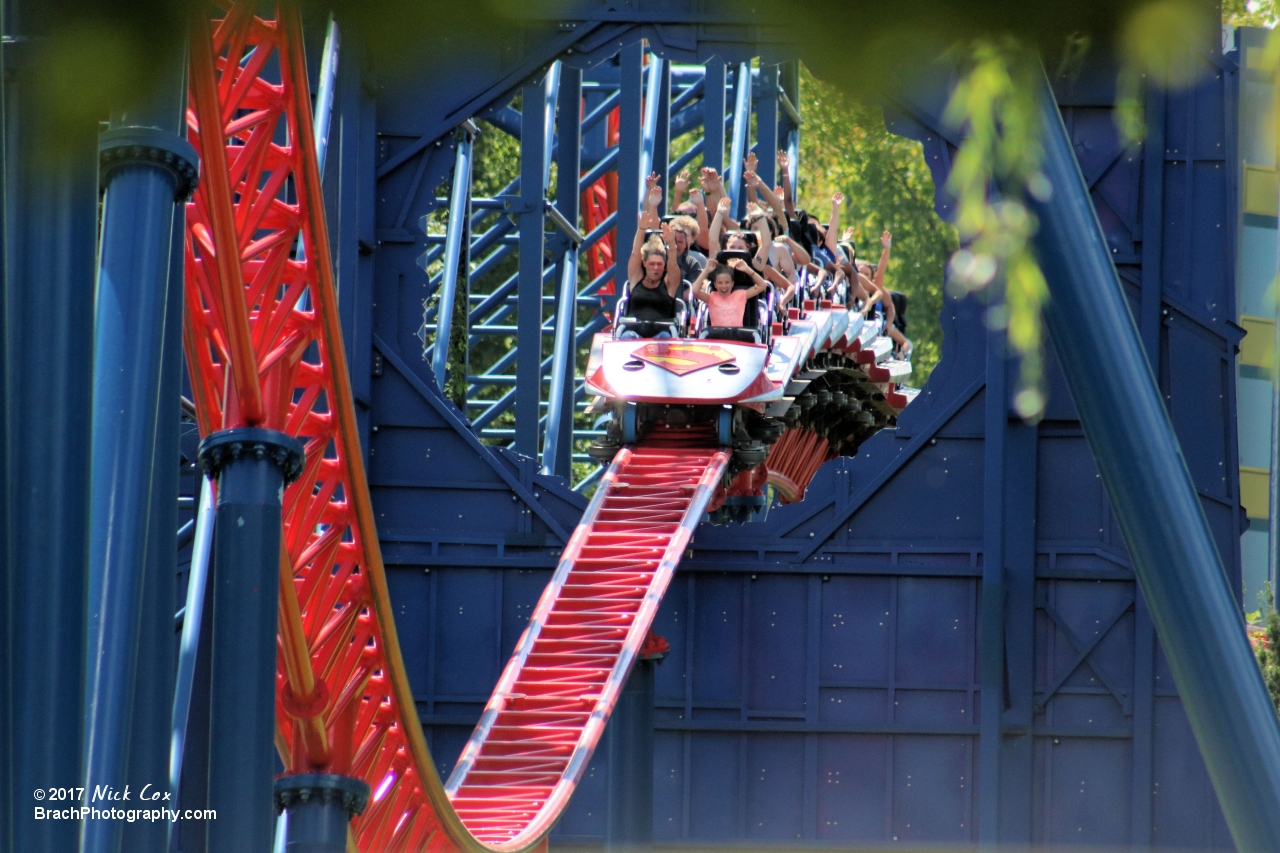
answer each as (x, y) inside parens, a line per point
(724, 304)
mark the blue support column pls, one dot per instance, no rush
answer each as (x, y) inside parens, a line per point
(319, 807)
(147, 169)
(149, 751)
(991, 610)
(741, 138)
(661, 162)
(1017, 746)
(629, 143)
(1173, 552)
(50, 264)
(713, 107)
(531, 221)
(252, 466)
(789, 86)
(455, 254)
(767, 126)
(558, 451)
(629, 804)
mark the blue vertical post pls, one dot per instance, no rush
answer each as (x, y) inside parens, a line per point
(629, 803)
(251, 466)
(653, 76)
(455, 265)
(629, 177)
(531, 222)
(741, 132)
(157, 665)
(661, 162)
(789, 84)
(991, 653)
(713, 107)
(326, 89)
(767, 125)
(1174, 557)
(147, 169)
(558, 449)
(50, 264)
(320, 807)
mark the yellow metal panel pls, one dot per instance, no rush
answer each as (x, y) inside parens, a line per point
(1261, 190)
(1255, 349)
(1255, 490)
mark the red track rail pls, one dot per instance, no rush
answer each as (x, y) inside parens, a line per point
(549, 709)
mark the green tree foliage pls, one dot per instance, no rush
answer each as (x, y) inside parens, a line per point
(1267, 646)
(887, 186)
(1250, 13)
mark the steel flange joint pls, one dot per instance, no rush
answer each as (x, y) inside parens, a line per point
(219, 449)
(302, 788)
(121, 146)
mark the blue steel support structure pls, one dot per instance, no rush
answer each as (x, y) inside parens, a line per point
(1174, 555)
(630, 180)
(558, 448)
(662, 135)
(766, 147)
(251, 466)
(50, 235)
(532, 226)
(456, 254)
(713, 110)
(741, 138)
(147, 171)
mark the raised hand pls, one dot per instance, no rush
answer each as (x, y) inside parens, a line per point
(668, 235)
(723, 206)
(847, 236)
(707, 178)
(751, 178)
(837, 199)
(886, 239)
(696, 196)
(783, 161)
(682, 182)
(738, 264)
(651, 181)
(751, 162)
(654, 197)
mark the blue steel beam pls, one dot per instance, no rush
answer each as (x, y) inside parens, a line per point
(741, 132)
(767, 125)
(531, 275)
(991, 654)
(324, 92)
(652, 80)
(154, 684)
(661, 160)
(558, 446)
(455, 262)
(1174, 557)
(630, 179)
(148, 169)
(251, 467)
(50, 235)
(713, 112)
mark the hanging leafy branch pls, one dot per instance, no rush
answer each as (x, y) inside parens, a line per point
(995, 105)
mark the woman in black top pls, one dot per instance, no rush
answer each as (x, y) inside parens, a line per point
(653, 276)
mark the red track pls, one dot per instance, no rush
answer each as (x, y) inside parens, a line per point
(550, 707)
